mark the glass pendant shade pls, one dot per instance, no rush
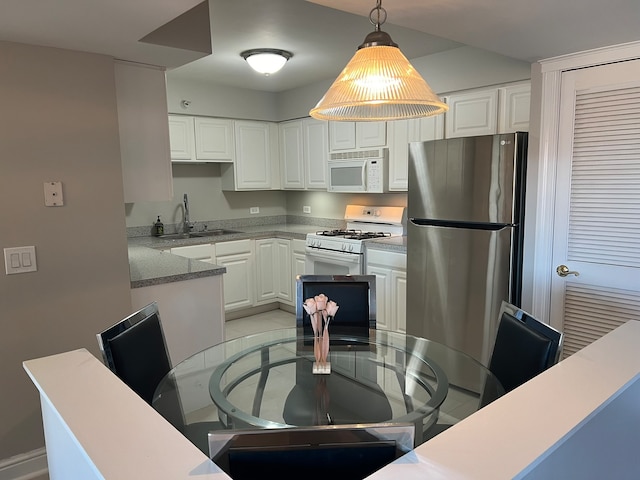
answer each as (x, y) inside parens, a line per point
(266, 61)
(379, 83)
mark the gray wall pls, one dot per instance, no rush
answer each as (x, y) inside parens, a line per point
(59, 122)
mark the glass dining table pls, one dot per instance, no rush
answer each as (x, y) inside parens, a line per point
(266, 380)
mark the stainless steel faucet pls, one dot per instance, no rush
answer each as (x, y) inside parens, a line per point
(187, 224)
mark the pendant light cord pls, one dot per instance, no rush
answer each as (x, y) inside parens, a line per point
(379, 13)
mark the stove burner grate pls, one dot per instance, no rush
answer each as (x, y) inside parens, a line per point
(338, 233)
(367, 235)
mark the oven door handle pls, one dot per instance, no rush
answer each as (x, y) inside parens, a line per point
(320, 254)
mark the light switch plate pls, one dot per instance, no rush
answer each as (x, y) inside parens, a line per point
(53, 194)
(20, 260)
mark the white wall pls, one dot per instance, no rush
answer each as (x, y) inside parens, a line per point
(58, 122)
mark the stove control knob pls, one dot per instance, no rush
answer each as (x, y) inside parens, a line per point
(351, 248)
(377, 213)
(344, 247)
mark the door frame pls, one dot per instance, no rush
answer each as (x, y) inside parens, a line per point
(546, 77)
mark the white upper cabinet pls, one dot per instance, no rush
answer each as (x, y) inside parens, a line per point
(400, 133)
(473, 113)
(304, 150)
(182, 138)
(342, 136)
(214, 139)
(371, 134)
(350, 135)
(201, 139)
(291, 153)
(515, 101)
(315, 152)
(144, 134)
(256, 166)
(426, 128)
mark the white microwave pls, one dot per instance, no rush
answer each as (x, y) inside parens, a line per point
(357, 171)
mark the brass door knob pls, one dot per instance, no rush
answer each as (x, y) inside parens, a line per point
(563, 271)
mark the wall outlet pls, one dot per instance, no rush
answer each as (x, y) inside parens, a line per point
(254, 210)
(306, 209)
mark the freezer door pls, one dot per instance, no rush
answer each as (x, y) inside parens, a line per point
(470, 179)
(456, 281)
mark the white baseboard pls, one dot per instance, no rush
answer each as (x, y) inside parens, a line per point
(26, 466)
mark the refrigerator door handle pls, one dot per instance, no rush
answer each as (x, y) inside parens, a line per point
(423, 222)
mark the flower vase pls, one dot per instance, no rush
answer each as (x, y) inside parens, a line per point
(321, 352)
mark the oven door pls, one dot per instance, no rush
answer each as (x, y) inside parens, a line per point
(347, 176)
(329, 262)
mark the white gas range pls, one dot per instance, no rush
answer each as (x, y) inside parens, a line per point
(341, 252)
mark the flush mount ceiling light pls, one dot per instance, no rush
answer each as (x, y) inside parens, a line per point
(378, 83)
(266, 60)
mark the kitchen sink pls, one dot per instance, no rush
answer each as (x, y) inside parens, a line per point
(203, 234)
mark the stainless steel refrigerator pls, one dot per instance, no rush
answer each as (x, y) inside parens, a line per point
(464, 237)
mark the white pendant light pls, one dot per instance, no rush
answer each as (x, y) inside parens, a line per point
(266, 60)
(378, 83)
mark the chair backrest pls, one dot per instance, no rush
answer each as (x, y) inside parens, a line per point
(341, 451)
(519, 353)
(548, 331)
(135, 350)
(354, 294)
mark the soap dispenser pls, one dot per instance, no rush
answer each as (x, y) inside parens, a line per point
(158, 227)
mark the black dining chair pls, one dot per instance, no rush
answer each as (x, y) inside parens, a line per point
(556, 336)
(336, 398)
(354, 294)
(135, 350)
(520, 352)
(341, 451)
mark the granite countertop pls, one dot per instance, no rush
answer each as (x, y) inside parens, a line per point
(392, 244)
(283, 230)
(150, 265)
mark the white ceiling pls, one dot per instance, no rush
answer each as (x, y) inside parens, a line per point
(322, 39)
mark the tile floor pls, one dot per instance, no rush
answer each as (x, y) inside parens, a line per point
(271, 320)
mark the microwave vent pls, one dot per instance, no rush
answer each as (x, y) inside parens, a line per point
(355, 154)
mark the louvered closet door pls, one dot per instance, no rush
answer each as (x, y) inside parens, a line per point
(597, 220)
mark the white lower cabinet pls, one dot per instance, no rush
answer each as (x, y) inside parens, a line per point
(238, 258)
(265, 266)
(390, 269)
(273, 271)
(283, 272)
(298, 261)
(259, 271)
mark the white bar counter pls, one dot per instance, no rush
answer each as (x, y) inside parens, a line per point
(579, 419)
(98, 428)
